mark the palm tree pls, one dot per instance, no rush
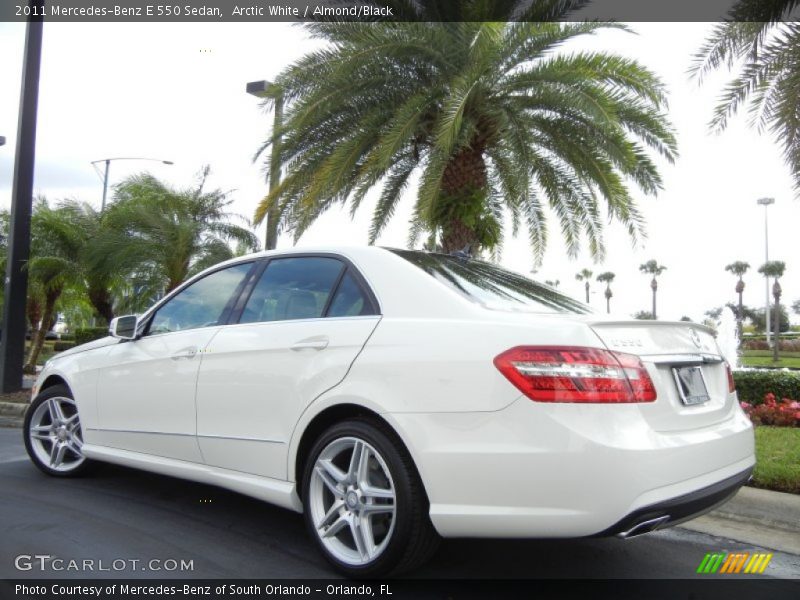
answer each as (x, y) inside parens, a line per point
(775, 269)
(490, 115)
(764, 39)
(56, 243)
(739, 268)
(584, 275)
(651, 267)
(607, 277)
(157, 236)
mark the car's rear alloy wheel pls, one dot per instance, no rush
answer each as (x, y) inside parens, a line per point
(53, 436)
(364, 503)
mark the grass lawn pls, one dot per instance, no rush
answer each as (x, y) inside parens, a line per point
(763, 358)
(777, 459)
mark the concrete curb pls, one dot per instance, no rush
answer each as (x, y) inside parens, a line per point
(764, 507)
(754, 516)
(13, 409)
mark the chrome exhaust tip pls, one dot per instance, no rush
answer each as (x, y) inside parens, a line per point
(644, 527)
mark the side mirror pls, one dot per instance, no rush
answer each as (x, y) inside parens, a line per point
(123, 328)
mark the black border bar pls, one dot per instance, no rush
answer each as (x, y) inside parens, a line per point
(244, 11)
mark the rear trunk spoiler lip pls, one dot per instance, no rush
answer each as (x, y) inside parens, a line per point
(651, 323)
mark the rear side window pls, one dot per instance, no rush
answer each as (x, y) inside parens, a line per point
(292, 288)
(492, 286)
(350, 299)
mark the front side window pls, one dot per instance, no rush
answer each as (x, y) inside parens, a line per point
(292, 288)
(202, 304)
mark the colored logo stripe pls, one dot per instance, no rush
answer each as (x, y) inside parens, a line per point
(735, 562)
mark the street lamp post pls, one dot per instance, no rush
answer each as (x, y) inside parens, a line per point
(765, 202)
(107, 162)
(265, 89)
(12, 346)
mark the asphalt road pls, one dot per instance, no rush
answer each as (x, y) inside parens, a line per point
(123, 514)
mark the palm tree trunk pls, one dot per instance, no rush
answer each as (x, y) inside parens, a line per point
(464, 183)
(587, 292)
(101, 301)
(740, 317)
(654, 287)
(37, 340)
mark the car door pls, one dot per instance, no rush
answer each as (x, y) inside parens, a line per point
(146, 392)
(299, 330)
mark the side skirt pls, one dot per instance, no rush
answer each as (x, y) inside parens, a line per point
(274, 491)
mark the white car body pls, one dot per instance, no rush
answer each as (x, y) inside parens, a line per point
(229, 405)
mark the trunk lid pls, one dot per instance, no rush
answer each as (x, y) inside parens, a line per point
(670, 350)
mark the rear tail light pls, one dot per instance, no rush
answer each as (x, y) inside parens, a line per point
(731, 383)
(576, 374)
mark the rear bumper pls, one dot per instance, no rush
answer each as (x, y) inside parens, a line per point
(677, 510)
(537, 471)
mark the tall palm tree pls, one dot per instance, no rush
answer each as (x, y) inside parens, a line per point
(56, 243)
(607, 277)
(584, 275)
(757, 37)
(739, 268)
(490, 115)
(775, 269)
(158, 236)
(651, 267)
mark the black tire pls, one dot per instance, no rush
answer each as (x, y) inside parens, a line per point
(413, 539)
(81, 467)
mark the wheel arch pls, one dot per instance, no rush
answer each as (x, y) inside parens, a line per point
(53, 380)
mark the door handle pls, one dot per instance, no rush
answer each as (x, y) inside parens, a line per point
(319, 343)
(185, 353)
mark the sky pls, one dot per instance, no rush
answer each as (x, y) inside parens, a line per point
(177, 92)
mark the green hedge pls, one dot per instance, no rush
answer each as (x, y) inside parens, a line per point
(89, 334)
(752, 386)
(62, 345)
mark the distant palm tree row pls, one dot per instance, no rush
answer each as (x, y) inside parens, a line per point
(651, 267)
(774, 269)
(150, 238)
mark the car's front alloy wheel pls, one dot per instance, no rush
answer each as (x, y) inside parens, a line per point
(53, 435)
(364, 503)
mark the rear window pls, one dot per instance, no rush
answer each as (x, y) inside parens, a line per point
(491, 286)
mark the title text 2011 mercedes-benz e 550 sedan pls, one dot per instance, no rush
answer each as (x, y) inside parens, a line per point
(396, 396)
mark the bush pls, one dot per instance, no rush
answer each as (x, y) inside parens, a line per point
(752, 386)
(785, 413)
(67, 337)
(61, 345)
(89, 334)
(761, 344)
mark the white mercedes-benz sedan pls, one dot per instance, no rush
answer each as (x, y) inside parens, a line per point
(396, 396)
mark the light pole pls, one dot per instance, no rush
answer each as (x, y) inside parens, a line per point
(765, 202)
(107, 161)
(12, 345)
(265, 89)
